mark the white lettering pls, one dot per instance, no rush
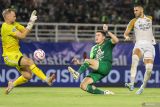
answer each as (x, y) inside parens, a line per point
(2, 76)
(63, 76)
(12, 72)
(121, 60)
(127, 76)
(114, 74)
(139, 76)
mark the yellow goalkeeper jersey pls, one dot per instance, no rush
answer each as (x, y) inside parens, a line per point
(10, 42)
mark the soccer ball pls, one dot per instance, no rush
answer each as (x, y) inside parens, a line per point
(39, 54)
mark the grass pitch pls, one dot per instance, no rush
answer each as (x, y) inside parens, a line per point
(75, 97)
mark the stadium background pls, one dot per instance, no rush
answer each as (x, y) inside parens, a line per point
(66, 28)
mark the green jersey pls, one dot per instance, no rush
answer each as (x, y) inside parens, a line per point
(102, 52)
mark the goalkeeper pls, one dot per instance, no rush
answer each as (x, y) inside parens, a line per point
(12, 32)
(100, 61)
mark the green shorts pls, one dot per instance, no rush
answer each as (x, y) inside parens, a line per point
(13, 60)
(103, 70)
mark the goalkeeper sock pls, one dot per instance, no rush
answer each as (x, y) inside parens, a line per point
(83, 67)
(38, 72)
(94, 90)
(19, 81)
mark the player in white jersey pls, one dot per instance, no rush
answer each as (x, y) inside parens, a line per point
(142, 26)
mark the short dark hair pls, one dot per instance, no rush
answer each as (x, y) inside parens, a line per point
(103, 33)
(6, 11)
(138, 5)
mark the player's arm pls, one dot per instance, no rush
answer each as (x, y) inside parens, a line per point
(114, 38)
(126, 34)
(22, 33)
(128, 29)
(153, 39)
(76, 61)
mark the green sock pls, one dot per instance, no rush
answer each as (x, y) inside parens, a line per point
(94, 91)
(83, 67)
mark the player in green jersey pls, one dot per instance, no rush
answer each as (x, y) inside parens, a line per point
(100, 61)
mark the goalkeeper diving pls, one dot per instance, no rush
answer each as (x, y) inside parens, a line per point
(11, 33)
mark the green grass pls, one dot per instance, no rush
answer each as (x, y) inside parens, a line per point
(74, 97)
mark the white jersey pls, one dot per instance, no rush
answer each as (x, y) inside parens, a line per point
(142, 29)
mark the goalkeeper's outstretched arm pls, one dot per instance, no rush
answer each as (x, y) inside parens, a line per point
(23, 33)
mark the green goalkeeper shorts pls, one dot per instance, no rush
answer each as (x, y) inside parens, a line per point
(103, 70)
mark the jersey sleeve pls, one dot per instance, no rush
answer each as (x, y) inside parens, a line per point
(150, 17)
(130, 26)
(110, 42)
(19, 27)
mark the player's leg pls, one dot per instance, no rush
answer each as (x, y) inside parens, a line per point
(100, 72)
(147, 75)
(86, 85)
(148, 61)
(87, 63)
(149, 67)
(92, 63)
(137, 54)
(25, 77)
(14, 61)
(27, 62)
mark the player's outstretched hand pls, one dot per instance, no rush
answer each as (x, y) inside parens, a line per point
(75, 61)
(127, 38)
(32, 20)
(105, 27)
(33, 17)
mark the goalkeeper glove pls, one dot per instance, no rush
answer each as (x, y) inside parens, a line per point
(32, 20)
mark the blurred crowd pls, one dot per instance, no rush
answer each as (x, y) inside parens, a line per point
(80, 11)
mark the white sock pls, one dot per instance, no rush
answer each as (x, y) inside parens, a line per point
(147, 75)
(135, 61)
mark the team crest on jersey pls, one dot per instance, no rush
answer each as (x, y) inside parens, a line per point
(14, 29)
(100, 54)
(144, 24)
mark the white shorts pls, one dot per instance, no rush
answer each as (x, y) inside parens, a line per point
(147, 50)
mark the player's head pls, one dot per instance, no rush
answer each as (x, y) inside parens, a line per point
(9, 15)
(138, 10)
(100, 37)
